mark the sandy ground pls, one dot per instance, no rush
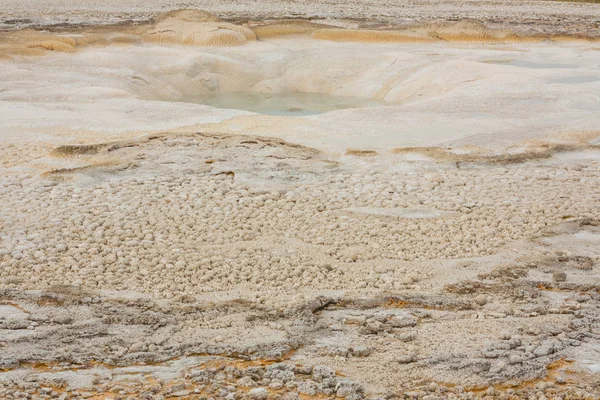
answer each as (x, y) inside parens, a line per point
(439, 244)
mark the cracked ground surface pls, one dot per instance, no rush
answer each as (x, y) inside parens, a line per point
(205, 267)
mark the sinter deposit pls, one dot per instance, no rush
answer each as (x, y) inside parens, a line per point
(235, 206)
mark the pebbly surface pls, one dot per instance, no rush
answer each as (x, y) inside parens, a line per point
(147, 254)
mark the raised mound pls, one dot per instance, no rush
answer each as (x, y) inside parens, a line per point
(196, 28)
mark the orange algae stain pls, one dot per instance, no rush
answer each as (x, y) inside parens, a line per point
(543, 286)
(552, 371)
(196, 390)
(15, 305)
(396, 303)
(315, 397)
(229, 359)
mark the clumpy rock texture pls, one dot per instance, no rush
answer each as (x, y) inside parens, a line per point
(254, 251)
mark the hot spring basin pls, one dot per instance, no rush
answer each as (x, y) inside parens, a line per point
(297, 104)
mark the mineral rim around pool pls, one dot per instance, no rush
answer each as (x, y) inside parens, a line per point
(356, 200)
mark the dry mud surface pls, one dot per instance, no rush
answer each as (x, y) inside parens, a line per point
(443, 243)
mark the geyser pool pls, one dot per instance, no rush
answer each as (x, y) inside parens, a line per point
(297, 103)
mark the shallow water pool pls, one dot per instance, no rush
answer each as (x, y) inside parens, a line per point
(298, 104)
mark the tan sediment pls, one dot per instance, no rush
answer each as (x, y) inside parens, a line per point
(53, 45)
(197, 28)
(462, 32)
(32, 43)
(75, 150)
(188, 15)
(93, 165)
(360, 153)
(200, 28)
(524, 151)
(173, 31)
(574, 38)
(285, 28)
(369, 36)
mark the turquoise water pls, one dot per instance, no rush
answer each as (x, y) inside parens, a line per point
(297, 104)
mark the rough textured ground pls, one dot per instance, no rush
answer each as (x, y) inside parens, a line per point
(525, 16)
(415, 277)
(154, 248)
